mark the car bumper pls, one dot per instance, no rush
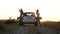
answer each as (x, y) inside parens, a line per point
(29, 21)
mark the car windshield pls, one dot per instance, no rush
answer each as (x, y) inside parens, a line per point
(29, 14)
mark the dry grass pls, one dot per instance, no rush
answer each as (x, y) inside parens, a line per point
(54, 25)
(3, 24)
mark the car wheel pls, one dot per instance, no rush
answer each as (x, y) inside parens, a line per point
(21, 24)
(36, 24)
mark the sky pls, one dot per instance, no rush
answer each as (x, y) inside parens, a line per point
(49, 9)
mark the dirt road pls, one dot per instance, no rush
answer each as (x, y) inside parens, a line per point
(15, 29)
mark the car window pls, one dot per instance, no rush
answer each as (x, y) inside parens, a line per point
(29, 14)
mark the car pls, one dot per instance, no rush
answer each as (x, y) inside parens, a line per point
(29, 18)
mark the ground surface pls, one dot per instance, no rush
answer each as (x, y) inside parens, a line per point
(15, 29)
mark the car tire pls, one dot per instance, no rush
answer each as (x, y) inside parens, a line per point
(36, 24)
(21, 24)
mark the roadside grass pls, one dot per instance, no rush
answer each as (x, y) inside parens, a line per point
(7, 23)
(54, 25)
